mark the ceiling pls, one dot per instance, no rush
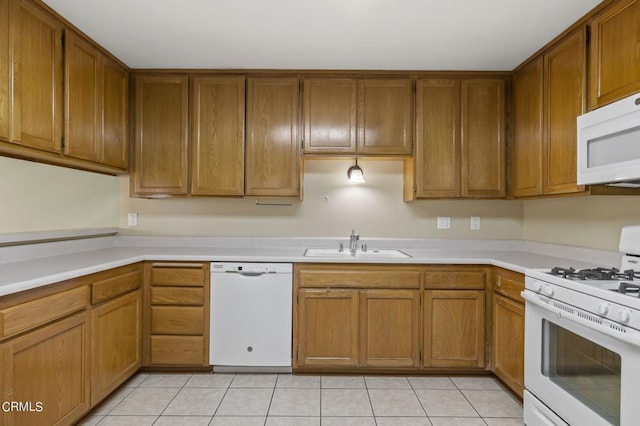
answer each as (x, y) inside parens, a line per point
(323, 34)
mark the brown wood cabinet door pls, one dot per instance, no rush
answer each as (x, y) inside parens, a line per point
(508, 342)
(329, 108)
(327, 328)
(83, 99)
(217, 136)
(4, 70)
(483, 138)
(272, 147)
(527, 124)
(161, 135)
(115, 113)
(385, 116)
(389, 328)
(36, 39)
(437, 150)
(51, 366)
(117, 343)
(614, 58)
(565, 78)
(454, 328)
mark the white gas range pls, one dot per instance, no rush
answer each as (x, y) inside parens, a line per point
(582, 342)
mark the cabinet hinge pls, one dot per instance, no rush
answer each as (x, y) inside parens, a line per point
(62, 142)
(63, 40)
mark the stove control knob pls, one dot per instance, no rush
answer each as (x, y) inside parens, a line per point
(537, 286)
(603, 309)
(548, 290)
(624, 316)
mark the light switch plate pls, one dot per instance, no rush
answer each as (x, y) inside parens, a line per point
(444, 222)
(475, 223)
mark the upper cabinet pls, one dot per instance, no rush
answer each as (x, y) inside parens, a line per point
(4, 69)
(83, 98)
(358, 116)
(217, 135)
(115, 114)
(460, 139)
(161, 106)
(272, 145)
(385, 116)
(614, 60)
(329, 108)
(482, 138)
(96, 105)
(549, 94)
(63, 100)
(36, 101)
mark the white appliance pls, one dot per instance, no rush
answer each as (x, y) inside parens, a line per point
(609, 144)
(582, 342)
(251, 309)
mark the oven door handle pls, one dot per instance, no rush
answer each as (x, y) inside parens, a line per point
(569, 312)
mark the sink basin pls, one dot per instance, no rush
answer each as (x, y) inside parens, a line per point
(371, 253)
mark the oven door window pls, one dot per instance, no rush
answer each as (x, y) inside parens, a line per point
(584, 369)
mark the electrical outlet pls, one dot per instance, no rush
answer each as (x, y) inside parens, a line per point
(475, 223)
(444, 222)
(132, 219)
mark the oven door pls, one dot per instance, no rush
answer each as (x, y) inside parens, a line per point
(584, 376)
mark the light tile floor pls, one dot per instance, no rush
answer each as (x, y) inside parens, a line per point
(287, 400)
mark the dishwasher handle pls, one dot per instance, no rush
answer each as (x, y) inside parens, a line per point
(250, 274)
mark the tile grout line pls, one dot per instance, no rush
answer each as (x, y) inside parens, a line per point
(373, 413)
(172, 399)
(420, 402)
(223, 396)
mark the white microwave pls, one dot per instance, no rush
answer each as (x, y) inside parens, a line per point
(609, 144)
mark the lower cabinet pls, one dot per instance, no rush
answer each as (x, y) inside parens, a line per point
(48, 369)
(508, 330)
(389, 328)
(385, 318)
(454, 328)
(117, 348)
(178, 308)
(327, 327)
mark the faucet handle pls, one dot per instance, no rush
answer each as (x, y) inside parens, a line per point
(341, 248)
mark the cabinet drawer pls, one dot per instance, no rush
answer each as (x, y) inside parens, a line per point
(455, 280)
(176, 274)
(509, 286)
(113, 287)
(177, 350)
(177, 296)
(177, 320)
(25, 316)
(360, 279)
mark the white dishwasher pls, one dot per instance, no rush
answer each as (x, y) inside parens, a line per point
(251, 310)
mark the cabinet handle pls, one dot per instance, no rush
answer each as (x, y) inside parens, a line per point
(498, 282)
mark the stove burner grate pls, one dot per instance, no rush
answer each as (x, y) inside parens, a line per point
(596, 274)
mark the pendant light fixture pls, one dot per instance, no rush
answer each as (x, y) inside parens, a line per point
(355, 174)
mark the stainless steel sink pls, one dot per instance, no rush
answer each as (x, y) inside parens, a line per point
(371, 253)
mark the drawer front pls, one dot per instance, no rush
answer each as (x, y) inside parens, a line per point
(455, 279)
(359, 279)
(177, 350)
(25, 316)
(111, 288)
(177, 296)
(184, 320)
(176, 274)
(509, 287)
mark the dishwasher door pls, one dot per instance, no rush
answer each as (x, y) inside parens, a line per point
(251, 310)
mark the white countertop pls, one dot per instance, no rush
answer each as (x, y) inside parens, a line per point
(31, 273)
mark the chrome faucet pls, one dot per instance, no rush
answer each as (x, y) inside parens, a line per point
(353, 241)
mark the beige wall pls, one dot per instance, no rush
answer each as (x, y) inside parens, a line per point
(593, 221)
(39, 197)
(375, 209)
